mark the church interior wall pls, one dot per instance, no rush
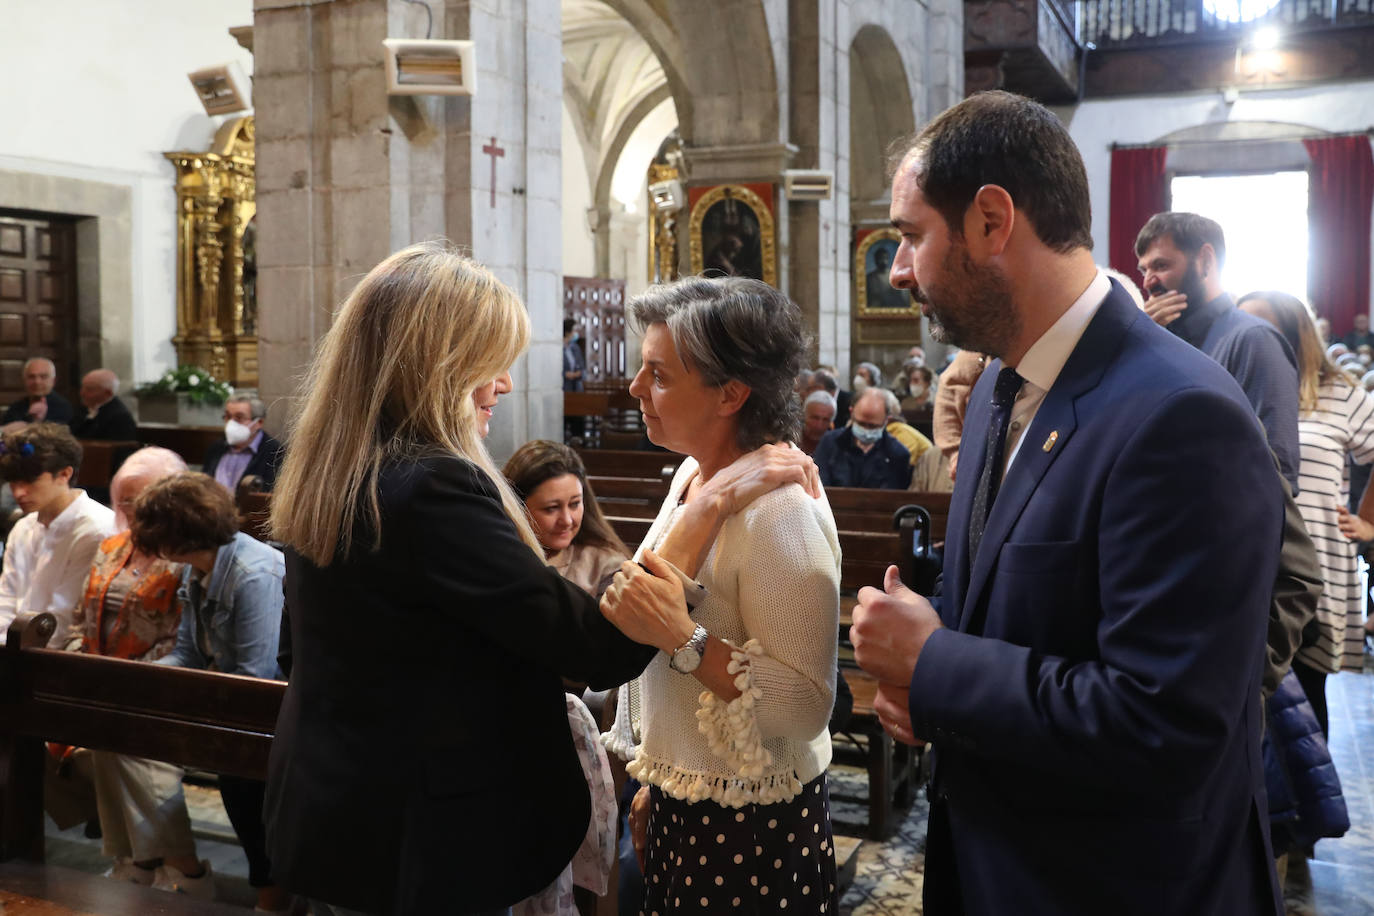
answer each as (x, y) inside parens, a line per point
(88, 120)
(579, 252)
(1095, 125)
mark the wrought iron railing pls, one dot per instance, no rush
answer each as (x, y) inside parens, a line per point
(1117, 23)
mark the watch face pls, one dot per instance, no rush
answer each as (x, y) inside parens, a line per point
(685, 660)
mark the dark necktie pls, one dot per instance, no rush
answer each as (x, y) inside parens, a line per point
(1003, 396)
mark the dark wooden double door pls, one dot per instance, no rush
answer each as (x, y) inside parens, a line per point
(37, 300)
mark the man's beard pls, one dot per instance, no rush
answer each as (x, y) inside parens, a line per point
(970, 307)
(1190, 285)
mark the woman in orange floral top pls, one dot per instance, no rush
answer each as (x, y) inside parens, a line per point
(131, 611)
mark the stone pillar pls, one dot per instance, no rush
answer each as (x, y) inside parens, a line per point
(818, 269)
(346, 175)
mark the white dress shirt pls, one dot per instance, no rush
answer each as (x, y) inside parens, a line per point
(1045, 359)
(46, 566)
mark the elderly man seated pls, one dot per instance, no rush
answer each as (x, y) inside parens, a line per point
(818, 418)
(864, 454)
(105, 416)
(39, 402)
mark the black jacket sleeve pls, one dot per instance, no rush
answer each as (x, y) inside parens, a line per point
(477, 565)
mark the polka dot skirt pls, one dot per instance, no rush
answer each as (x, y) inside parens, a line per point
(703, 858)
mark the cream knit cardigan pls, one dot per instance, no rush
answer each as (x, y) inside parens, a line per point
(769, 588)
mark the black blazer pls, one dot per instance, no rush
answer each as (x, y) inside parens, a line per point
(112, 422)
(59, 410)
(265, 463)
(422, 756)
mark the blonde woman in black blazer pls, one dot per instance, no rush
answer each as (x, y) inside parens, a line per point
(423, 762)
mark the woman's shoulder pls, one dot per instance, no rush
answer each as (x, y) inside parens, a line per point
(115, 543)
(403, 480)
(788, 507)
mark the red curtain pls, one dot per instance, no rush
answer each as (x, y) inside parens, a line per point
(1340, 191)
(1140, 189)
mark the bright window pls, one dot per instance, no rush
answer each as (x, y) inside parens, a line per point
(1265, 221)
(1238, 10)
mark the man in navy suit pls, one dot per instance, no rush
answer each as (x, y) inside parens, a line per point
(1090, 678)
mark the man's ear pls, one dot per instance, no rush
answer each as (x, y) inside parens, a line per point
(65, 475)
(733, 394)
(1207, 259)
(989, 220)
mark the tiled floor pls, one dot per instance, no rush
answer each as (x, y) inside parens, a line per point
(1338, 882)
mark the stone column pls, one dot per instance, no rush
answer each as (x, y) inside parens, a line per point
(346, 175)
(818, 270)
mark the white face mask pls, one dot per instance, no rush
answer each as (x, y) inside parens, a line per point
(235, 433)
(918, 390)
(858, 383)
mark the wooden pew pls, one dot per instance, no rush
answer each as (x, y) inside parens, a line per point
(858, 509)
(605, 462)
(222, 723)
(100, 458)
(190, 442)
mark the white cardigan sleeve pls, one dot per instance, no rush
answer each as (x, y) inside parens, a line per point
(789, 604)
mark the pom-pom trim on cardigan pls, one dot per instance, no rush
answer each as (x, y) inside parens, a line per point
(732, 731)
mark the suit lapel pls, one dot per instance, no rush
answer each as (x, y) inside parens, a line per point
(1081, 373)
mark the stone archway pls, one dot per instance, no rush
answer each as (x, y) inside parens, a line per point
(881, 114)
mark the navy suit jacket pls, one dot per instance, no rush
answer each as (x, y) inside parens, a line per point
(1094, 699)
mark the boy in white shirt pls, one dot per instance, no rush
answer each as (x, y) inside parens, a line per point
(49, 551)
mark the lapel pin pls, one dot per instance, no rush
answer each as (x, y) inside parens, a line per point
(1049, 443)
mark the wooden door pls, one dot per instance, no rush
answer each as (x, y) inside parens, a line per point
(37, 300)
(598, 305)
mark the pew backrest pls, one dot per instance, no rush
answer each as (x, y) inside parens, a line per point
(218, 722)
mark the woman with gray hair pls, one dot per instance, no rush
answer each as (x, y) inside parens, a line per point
(735, 707)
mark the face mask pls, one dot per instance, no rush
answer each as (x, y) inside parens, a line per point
(865, 436)
(575, 337)
(859, 383)
(235, 433)
(917, 391)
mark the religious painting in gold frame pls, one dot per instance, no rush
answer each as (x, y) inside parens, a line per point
(874, 297)
(732, 231)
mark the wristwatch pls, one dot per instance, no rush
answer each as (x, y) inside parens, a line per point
(686, 659)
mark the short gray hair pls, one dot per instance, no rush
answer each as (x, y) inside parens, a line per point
(874, 373)
(736, 328)
(256, 408)
(821, 396)
(894, 406)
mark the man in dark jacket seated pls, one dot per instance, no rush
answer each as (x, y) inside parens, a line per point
(39, 402)
(105, 415)
(864, 454)
(246, 448)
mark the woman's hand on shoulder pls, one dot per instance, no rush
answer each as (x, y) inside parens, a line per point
(761, 471)
(646, 603)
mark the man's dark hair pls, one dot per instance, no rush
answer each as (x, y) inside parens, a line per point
(27, 453)
(568, 325)
(1188, 231)
(181, 514)
(825, 380)
(1010, 141)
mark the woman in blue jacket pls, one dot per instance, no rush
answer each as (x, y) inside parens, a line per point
(231, 599)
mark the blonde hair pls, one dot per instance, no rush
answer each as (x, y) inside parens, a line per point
(393, 379)
(1295, 323)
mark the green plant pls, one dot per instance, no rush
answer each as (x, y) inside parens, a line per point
(199, 386)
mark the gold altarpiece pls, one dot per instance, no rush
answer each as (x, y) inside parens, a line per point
(216, 256)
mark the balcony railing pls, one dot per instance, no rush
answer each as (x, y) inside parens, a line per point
(1118, 23)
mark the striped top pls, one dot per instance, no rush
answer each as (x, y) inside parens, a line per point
(1341, 425)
